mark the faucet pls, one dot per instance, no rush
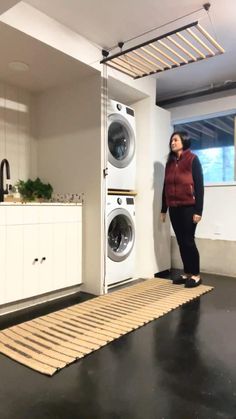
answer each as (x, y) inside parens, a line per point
(4, 162)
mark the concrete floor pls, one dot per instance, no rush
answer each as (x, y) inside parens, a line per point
(181, 366)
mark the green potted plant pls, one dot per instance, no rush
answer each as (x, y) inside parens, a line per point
(34, 190)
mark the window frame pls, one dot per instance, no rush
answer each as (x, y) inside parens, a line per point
(199, 118)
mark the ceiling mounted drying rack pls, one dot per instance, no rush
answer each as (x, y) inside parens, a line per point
(185, 45)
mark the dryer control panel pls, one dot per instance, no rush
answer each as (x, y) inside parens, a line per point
(130, 201)
(127, 200)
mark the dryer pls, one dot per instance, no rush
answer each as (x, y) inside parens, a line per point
(120, 260)
(121, 146)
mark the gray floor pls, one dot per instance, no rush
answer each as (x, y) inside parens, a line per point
(181, 366)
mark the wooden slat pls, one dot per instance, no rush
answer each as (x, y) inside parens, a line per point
(210, 38)
(173, 51)
(130, 66)
(119, 68)
(155, 57)
(199, 40)
(182, 48)
(147, 60)
(20, 345)
(136, 63)
(67, 348)
(142, 65)
(164, 54)
(191, 45)
(126, 66)
(102, 332)
(27, 361)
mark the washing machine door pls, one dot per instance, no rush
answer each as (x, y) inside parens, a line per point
(121, 141)
(121, 234)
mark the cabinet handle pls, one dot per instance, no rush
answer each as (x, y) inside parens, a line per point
(43, 259)
(35, 260)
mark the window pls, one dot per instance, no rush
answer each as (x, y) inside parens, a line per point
(213, 140)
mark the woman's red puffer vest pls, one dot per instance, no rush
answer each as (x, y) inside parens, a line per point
(179, 184)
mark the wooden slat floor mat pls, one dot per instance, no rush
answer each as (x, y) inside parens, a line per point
(51, 342)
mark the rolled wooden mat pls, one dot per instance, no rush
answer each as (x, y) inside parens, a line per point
(49, 343)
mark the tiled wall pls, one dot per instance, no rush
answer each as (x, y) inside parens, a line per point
(16, 140)
(68, 197)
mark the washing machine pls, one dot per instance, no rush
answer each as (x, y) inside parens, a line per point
(120, 260)
(121, 146)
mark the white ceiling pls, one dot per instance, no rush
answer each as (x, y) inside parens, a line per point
(6, 4)
(43, 62)
(106, 22)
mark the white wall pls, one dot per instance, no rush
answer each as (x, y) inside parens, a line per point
(69, 150)
(152, 237)
(216, 231)
(218, 222)
(17, 142)
(202, 109)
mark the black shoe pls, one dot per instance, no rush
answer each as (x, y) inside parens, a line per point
(179, 280)
(192, 283)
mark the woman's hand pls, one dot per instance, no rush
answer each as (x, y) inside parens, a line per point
(163, 217)
(196, 218)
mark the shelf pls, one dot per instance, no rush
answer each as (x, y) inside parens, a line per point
(121, 192)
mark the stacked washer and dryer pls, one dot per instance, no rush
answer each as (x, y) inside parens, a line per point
(120, 212)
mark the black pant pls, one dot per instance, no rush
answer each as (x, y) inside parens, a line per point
(184, 228)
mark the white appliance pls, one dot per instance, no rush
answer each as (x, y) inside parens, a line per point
(121, 146)
(120, 260)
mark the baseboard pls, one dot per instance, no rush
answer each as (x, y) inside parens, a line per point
(216, 256)
(163, 274)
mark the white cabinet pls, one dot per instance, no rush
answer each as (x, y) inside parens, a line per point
(40, 249)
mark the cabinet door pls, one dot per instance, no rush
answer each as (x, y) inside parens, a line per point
(14, 263)
(67, 246)
(59, 258)
(31, 260)
(74, 253)
(31, 251)
(46, 280)
(13, 254)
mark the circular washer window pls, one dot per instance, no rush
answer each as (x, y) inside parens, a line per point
(121, 141)
(121, 235)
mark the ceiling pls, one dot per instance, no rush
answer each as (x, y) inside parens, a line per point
(211, 131)
(106, 22)
(6, 4)
(43, 62)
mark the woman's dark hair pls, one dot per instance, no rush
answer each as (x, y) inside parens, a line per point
(184, 139)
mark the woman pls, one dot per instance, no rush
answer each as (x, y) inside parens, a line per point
(183, 194)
